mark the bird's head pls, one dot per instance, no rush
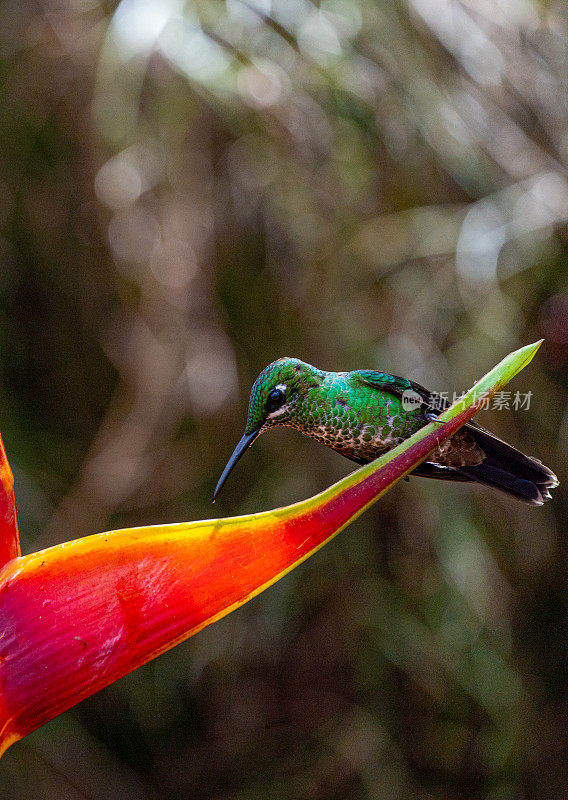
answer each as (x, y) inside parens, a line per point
(277, 398)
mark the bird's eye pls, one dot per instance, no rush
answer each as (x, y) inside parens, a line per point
(275, 399)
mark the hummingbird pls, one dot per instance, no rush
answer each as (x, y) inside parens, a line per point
(365, 413)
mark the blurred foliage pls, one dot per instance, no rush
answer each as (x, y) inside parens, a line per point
(191, 189)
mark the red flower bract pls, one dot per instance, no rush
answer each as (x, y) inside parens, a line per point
(78, 616)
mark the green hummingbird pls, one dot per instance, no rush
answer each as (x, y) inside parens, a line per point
(364, 413)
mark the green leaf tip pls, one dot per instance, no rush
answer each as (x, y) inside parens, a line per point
(512, 364)
(498, 377)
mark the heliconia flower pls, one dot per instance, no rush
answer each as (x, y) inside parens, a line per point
(9, 539)
(78, 616)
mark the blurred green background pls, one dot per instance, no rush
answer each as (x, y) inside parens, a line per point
(189, 190)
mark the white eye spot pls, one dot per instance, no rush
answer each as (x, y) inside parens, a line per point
(278, 411)
(281, 387)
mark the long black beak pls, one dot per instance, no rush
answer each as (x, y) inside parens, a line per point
(245, 442)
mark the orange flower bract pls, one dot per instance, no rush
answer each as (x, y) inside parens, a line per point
(78, 616)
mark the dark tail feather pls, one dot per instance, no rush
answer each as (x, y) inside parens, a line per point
(504, 468)
(522, 489)
(430, 470)
(509, 470)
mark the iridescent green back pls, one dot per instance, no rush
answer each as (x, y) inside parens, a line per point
(354, 419)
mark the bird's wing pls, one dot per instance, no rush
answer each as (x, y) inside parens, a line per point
(395, 385)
